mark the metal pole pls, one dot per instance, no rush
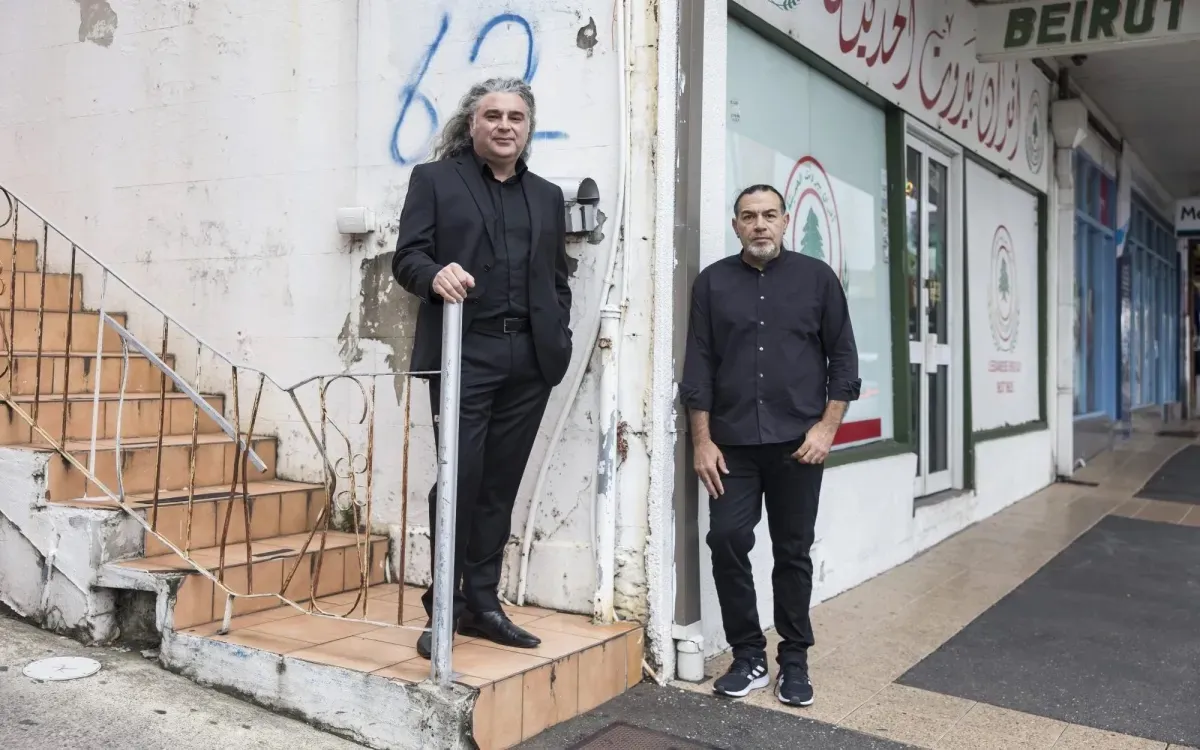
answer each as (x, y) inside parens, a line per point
(443, 556)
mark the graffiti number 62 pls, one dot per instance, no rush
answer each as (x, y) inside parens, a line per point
(411, 94)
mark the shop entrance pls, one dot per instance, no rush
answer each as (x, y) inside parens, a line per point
(934, 249)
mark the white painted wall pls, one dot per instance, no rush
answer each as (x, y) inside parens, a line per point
(201, 149)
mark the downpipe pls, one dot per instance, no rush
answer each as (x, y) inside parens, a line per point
(605, 509)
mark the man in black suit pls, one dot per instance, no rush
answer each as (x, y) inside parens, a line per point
(479, 228)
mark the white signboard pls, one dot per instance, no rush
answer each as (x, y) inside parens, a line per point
(1045, 28)
(921, 56)
(1187, 217)
(1002, 271)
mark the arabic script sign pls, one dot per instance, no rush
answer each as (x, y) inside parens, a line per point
(921, 56)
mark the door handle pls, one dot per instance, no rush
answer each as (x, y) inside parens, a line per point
(931, 343)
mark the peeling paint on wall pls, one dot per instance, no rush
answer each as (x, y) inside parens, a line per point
(386, 313)
(586, 38)
(97, 22)
(596, 236)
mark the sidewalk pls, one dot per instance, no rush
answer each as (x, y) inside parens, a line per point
(1067, 621)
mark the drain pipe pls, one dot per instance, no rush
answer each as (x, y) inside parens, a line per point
(606, 467)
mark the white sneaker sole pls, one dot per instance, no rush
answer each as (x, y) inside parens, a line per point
(757, 684)
(802, 704)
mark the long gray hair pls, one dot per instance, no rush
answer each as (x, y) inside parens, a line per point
(455, 138)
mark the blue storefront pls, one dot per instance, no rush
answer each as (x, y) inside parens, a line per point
(1126, 309)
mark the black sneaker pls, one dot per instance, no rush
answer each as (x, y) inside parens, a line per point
(743, 676)
(793, 686)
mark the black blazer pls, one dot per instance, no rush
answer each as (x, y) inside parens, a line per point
(448, 218)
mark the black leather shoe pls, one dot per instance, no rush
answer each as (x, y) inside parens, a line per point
(497, 628)
(425, 642)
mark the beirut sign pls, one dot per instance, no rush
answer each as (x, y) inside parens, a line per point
(1044, 28)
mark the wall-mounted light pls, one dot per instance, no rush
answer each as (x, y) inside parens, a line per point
(580, 202)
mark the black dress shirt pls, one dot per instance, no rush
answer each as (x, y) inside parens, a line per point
(766, 350)
(506, 289)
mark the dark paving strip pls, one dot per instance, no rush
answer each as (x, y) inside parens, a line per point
(1178, 433)
(1178, 480)
(622, 736)
(1104, 635)
(690, 721)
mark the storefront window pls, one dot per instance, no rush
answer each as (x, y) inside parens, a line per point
(1004, 303)
(1096, 291)
(824, 149)
(1154, 339)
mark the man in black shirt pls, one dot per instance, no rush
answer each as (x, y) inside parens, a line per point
(479, 228)
(771, 366)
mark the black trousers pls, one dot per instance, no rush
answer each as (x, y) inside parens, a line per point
(503, 399)
(792, 490)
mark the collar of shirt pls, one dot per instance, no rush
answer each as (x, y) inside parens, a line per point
(779, 259)
(518, 171)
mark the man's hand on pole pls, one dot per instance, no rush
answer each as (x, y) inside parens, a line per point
(452, 283)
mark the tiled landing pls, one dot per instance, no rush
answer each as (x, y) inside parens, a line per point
(522, 692)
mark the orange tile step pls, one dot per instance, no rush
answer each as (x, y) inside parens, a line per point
(29, 289)
(27, 254)
(277, 508)
(54, 331)
(80, 374)
(522, 692)
(139, 416)
(215, 453)
(198, 601)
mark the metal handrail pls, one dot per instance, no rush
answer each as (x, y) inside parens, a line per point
(196, 398)
(444, 583)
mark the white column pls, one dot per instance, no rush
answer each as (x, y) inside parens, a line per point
(1061, 267)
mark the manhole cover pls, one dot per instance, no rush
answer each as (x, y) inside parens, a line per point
(62, 668)
(621, 736)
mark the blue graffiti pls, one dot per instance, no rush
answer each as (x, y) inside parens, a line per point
(530, 53)
(411, 91)
(411, 94)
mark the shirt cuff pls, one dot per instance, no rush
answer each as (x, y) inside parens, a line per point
(696, 399)
(844, 390)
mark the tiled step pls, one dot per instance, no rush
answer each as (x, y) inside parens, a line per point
(54, 331)
(78, 371)
(29, 290)
(139, 417)
(521, 692)
(198, 601)
(215, 454)
(277, 508)
(27, 251)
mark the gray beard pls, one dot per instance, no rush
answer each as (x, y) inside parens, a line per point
(762, 252)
